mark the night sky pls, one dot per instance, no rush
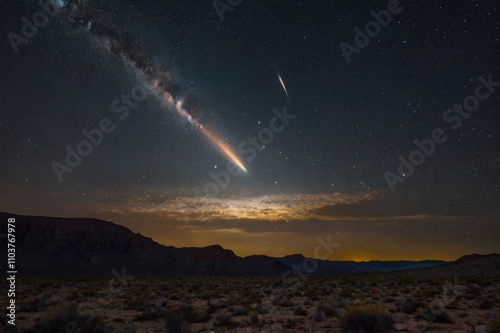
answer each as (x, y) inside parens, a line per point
(330, 171)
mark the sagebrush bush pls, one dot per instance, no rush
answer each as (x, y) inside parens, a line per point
(300, 311)
(65, 317)
(327, 308)
(435, 312)
(223, 319)
(187, 313)
(239, 310)
(282, 300)
(175, 323)
(363, 318)
(411, 305)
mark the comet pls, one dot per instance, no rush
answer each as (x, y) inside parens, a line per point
(107, 31)
(284, 87)
(217, 142)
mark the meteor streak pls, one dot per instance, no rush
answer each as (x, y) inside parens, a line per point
(284, 87)
(109, 33)
(222, 146)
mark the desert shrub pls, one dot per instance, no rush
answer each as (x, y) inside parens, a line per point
(149, 314)
(282, 300)
(443, 317)
(278, 283)
(175, 323)
(291, 322)
(261, 309)
(216, 303)
(188, 313)
(300, 311)
(29, 304)
(388, 299)
(338, 302)
(250, 299)
(178, 318)
(319, 316)
(411, 305)
(494, 327)
(431, 292)
(64, 317)
(308, 302)
(312, 293)
(346, 292)
(253, 319)
(234, 298)
(406, 290)
(435, 313)
(223, 319)
(42, 299)
(207, 294)
(243, 324)
(486, 304)
(194, 289)
(474, 290)
(327, 308)
(366, 318)
(239, 310)
(88, 292)
(136, 303)
(453, 303)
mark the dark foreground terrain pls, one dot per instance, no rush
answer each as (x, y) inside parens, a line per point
(87, 275)
(381, 302)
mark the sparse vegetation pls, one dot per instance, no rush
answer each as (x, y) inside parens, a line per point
(411, 305)
(257, 304)
(435, 312)
(366, 318)
(71, 316)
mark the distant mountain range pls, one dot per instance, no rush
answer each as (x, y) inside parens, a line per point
(335, 267)
(82, 246)
(469, 265)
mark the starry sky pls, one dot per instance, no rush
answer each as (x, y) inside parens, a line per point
(352, 119)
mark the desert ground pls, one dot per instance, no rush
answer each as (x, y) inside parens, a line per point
(346, 303)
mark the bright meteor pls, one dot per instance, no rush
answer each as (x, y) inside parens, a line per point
(217, 142)
(222, 146)
(109, 33)
(284, 87)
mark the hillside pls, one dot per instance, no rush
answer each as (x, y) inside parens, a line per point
(84, 246)
(80, 246)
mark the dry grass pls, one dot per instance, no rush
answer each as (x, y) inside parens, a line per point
(359, 303)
